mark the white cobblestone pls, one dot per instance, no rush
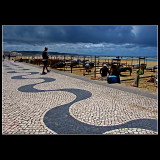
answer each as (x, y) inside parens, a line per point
(23, 112)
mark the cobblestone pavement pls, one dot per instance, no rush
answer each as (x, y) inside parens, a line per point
(63, 103)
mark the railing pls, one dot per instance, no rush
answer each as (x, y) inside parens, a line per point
(73, 65)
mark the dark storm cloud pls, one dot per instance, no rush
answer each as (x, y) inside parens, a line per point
(139, 35)
(146, 35)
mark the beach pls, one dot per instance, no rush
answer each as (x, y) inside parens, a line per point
(143, 83)
(125, 77)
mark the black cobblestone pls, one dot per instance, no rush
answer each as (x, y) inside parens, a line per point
(65, 118)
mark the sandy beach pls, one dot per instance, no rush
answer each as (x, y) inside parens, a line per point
(125, 77)
(143, 83)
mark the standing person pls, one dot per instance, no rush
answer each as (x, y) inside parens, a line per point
(45, 60)
(139, 72)
(3, 57)
(116, 73)
(9, 56)
(137, 78)
(104, 71)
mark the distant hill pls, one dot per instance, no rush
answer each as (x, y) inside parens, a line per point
(6, 53)
(32, 53)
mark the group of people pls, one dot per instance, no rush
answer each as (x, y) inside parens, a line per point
(113, 71)
(103, 71)
(9, 56)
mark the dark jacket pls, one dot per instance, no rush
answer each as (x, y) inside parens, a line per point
(104, 71)
(116, 73)
(44, 55)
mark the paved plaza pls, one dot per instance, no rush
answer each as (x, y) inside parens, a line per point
(64, 103)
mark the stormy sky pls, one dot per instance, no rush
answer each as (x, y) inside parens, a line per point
(83, 39)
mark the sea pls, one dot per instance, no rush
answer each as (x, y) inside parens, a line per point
(130, 58)
(79, 55)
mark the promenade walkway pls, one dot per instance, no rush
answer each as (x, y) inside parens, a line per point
(64, 103)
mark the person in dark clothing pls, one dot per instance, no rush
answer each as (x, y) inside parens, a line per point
(104, 71)
(9, 56)
(3, 57)
(116, 72)
(45, 60)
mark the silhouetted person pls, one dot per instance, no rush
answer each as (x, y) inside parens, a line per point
(45, 60)
(9, 56)
(3, 57)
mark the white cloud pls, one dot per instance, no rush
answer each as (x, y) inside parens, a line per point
(135, 30)
(105, 49)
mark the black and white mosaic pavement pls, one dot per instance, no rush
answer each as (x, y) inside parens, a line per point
(60, 103)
